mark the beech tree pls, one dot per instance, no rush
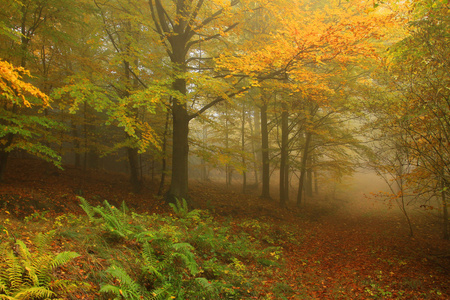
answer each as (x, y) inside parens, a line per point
(414, 108)
(184, 27)
(22, 122)
(27, 25)
(306, 59)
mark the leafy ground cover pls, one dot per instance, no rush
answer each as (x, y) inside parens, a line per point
(233, 246)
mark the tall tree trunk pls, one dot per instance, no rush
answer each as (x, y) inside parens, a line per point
(265, 193)
(228, 170)
(76, 145)
(204, 169)
(179, 182)
(256, 149)
(309, 177)
(4, 154)
(255, 156)
(284, 180)
(303, 168)
(445, 223)
(3, 161)
(133, 160)
(316, 180)
(85, 133)
(244, 173)
(164, 156)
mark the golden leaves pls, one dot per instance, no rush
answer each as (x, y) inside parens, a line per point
(15, 90)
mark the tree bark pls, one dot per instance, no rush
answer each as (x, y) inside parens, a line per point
(309, 177)
(265, 193)
(284, 180)
(179, 182)
(164, 156)
(445, 223)
(3, 162)
(228, 170)
(133, 160)
(303, 168)
(244, 173)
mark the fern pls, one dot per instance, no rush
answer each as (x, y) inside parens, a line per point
(127, 289)
(115, 221)
(151, 264)
(205, 284)
(35, 292)
(27, 275)
(180, 208)
(161, 293)
(61, 259)
(183, 251)
(88, 209)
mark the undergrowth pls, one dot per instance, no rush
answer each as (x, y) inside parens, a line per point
(183, 255)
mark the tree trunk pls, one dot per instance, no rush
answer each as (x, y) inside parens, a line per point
(255, 156)
(284, 157)
(179, 183)
(244, 173)
(265, 153)
(227, 149)
(309, 177)
(3, 162)
(133, 160)
(257, 152)
(445, 225)
(303, 169)
(316, 180)
(164, 156)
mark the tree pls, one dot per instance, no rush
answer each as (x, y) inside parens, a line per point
(305, 59)
(22, 122)
(415, 108)
(184, 27)
(24, 106)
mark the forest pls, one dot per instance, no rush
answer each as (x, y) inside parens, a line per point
(224, 149)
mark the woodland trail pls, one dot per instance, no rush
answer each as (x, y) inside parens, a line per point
(329, 252)
(363, 253)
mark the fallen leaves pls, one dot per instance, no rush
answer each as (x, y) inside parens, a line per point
(335, 256)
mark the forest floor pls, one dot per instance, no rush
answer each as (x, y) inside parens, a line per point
(329, 252)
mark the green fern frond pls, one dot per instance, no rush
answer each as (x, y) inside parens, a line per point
(144, 236)
(180, 208)
(22, 250)
(204, 283)
(111, 289)
(124, 279)
(62, 258)
(27, 275)
(127, 289)
(66, 285)
(43, 240)
(12, 271)
(183, 247)
(184, 252)
(151, 264)
(120, 293)
(124, 208)
(161, 293)
(5, 297)
(35, 292)
(88, 209)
